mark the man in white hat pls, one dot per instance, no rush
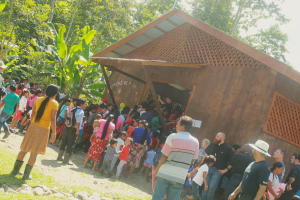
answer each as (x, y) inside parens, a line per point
(2, 66)
(256, 176)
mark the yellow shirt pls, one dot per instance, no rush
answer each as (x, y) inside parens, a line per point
(45, 120)
(71, 105)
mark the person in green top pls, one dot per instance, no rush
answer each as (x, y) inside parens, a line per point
(155, 123)
(9, 102)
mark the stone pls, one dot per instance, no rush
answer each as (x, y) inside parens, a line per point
(96, 194)
(105, 198)
(54, 191)
(45, 188)
(94, 198)
(73, 198)
(56, 188)
(66, 194)
(2, 189)
(47, 193)
(95, 182)
(82, 195)
(8, 189)
(60, 195)
(38, 191)
(71, 191)
(29, 192)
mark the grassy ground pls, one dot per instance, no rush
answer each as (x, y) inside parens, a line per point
(7, 160)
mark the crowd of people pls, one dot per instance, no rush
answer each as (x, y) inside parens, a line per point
(118, 139)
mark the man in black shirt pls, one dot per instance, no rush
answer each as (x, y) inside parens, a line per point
(293, 179)
(223, 153)
(256, 176)
(238, 164)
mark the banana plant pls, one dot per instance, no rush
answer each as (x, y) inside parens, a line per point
(2, 5)
(70, 66)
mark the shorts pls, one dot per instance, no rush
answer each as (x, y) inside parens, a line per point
(147, 165)
(18, 115)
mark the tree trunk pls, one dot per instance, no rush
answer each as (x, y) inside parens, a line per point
(51, 12)
(2, 53)
(236, 19)
(77, 5)
(80, 86)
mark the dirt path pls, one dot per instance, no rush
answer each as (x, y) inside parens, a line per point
(77, 175)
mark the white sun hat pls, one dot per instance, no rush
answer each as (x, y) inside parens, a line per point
(2, 65)
(261, 146)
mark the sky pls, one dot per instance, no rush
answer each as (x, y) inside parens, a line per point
(290, 8)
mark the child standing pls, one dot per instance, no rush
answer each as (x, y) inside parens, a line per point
(121, 137)
(156, 160)
(188, 183)
(110, 152)
(123, 156)
(200, 178)
(149, 161)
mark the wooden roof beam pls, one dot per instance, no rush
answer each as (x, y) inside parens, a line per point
(161, 30)
(172, 23)
(126, 74)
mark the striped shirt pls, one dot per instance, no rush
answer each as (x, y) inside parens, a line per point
(180, 148)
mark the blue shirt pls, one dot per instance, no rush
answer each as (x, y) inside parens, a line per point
(62, 111)
(137, 135)
(10, 102)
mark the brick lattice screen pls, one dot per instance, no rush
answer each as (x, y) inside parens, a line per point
(188, 44)
(284, 120)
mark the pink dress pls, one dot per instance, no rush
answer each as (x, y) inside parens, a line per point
(118, 124)
(102, 124)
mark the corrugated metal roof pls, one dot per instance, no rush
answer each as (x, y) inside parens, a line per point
(141, 40)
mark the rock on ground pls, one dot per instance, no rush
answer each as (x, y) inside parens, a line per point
(29, 192)
(38, 191)
(82, 195)
(8, 189)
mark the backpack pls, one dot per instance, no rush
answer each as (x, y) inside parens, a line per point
(146, 117)
(71, 119)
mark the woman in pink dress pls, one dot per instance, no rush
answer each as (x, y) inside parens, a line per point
(99, 140)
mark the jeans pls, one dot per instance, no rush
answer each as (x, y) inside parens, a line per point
(113, 162)
(69, 140)
(213, 178)
(120, 167)
(106, 166)
(3, 117)
(233, 183)
(164, 186)
(244, 196)
(195, 190)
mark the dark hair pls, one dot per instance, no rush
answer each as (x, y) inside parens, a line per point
(116, 132)
(123, 133)
(103, 106)
(31, 91)
(6, 78)
(209, 159)
(297, 156)
(156, 134)
(36, 84)
(38, 91)
(80, 101)
(51, 91)
(276, 165)
(12, 88)
(31, 85)
(135, 107)
(105, 129)
(61, 105)
(145, 123)
(177, 111)
(116, 116)
(113, 141)
(144, 104)
(23, 93)
(151, 148)
(197, 162)
(283, 152)
(187, 122)
(130, 139)
(236, 147)
(115, 107)
(17, 79)
(136, 115)
(149, 108)
(162, 142)
(21, 86)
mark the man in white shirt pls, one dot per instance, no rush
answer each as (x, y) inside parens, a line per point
(71, 133)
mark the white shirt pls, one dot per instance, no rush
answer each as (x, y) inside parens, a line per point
(104, 114)
(62, 95)
(22, 104)
(274, 179)
(199, 176)
(120, 142)
(27, 85)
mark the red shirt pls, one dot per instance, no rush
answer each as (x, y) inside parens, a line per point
(124, 154)
(153, 142)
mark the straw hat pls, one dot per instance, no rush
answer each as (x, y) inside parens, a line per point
(2, 65)
(261, 146)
